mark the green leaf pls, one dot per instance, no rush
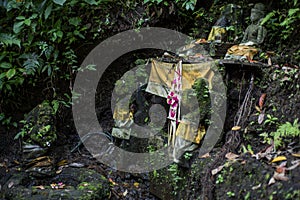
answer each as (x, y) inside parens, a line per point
(31, 64)
(75, 21)
(91, 67)
(8, 87)
(5, 65)
(91, 2)
(27, 22)
(76, 32)
(59, 2)
(3, 55)
(48, 11)
(2, 75)
(293, 11)
(18, 26)
(59, 34)
(268, 17)
(33, 16)
(10, 73)
(55, 105)
(20, 134)
(20, 18)
(49, 71)
(9, 39)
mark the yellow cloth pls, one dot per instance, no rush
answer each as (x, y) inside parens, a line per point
(120, 113)
(162, 75)
(189, 132)
(216, 31)
(160, 80)
(243, 50)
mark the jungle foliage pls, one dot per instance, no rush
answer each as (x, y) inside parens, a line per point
(43, 42)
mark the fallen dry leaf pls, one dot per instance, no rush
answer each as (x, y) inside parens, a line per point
(10, 184)
(295, 164)
(231, 156)
(278, 158)
(205, 155)
(281, 168)
(272, 181)
(257, 108)
(41, 187)
(262, 100)
(136, 184)
(296, 155)
(125, 193)
(280, 176)
(265, 153)
(256, 187)
(112, 182)
(217, 170)
(269, 61)
(261, 118)
(235, 128)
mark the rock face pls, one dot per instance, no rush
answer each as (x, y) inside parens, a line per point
(39, 125)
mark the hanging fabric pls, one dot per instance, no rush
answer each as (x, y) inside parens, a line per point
(173, 100)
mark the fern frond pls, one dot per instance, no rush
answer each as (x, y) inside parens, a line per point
(9, 39)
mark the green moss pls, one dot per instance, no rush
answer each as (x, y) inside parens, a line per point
(92, 190)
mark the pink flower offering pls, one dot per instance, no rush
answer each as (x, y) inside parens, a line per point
(172, 113)
(174, 105)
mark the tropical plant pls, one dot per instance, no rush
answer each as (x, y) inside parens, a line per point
(284, 133)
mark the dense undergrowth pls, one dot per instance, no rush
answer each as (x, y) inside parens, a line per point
(43, 42)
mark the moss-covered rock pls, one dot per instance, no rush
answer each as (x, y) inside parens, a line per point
(75, 183)
(39, 125)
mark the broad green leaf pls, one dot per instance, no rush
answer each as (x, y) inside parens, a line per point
(3, 55)
(268, 17)
(75, 21)
(55, 105)
(49, 71)
(293, 11)
(10, 73)
(48, 11)
(20, 18)
(2, 75)
(27, 22)
(18, 26)
(59, 2)
(5, 65)
(91, 2)
(33, 16)
(59, 34)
